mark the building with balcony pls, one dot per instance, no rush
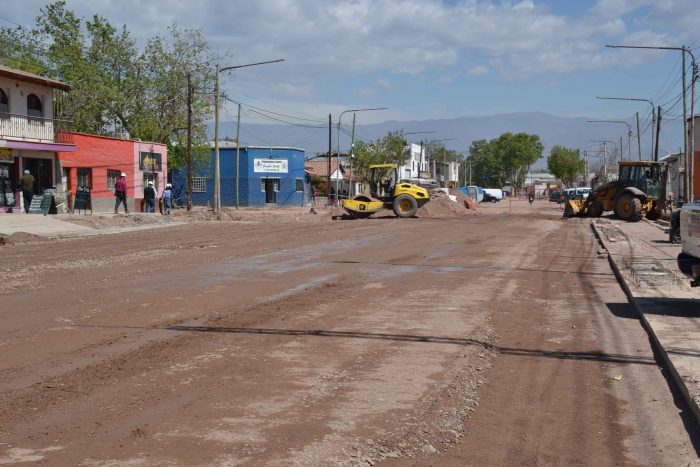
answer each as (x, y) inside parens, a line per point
(29, 135)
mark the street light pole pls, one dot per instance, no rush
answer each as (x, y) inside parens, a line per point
(689, 152)
(338, 140)
(217, 173)
(653, 115)
(629, 136)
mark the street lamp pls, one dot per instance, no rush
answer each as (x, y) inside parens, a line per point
(217, 176)
(689, 152)
(653, 115)
(338, 142)
(605, 154)
(629, 136)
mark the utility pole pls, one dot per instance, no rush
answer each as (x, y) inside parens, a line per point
(330, 152)
(639, 141)
(689, 151)
(470, 172)
(189, 141)
(238, 149)
(605, 159)
(585, 161)
(686, 159)
(352, 148)
(217, 174)
(658, 135)
(621, 153)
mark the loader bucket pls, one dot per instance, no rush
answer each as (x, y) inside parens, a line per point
(573, 207)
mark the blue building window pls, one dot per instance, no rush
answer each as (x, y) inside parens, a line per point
(275, 181)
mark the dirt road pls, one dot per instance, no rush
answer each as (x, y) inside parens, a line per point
(494, 339)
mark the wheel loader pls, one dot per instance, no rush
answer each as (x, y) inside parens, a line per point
(636, 193)
(386, 192)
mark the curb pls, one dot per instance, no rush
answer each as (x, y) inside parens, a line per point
(680, 384)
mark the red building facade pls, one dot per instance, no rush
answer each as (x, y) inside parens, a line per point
(99, 160)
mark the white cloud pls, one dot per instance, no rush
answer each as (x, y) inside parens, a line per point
(478, 70)
(333, 39)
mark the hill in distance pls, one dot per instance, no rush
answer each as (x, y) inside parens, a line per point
(571, 132)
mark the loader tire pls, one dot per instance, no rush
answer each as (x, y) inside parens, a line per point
(595, 209)
(628, 208)
(405, 206)
(568, 210)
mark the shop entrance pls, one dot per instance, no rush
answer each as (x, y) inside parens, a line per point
(41, 170)
(271, 186)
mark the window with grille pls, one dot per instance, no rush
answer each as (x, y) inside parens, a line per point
(199, 184)
(112, 176)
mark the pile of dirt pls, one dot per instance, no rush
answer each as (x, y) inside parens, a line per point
(268, 215)
(18, 238)
(440, 205)
(118, 220)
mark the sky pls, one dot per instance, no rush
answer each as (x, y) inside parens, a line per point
(426, 59)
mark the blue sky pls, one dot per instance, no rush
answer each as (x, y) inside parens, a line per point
(427, 59)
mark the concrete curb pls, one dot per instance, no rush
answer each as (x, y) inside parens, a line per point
(680, 384)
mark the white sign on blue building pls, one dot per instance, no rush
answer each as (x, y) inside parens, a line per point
(278, 166)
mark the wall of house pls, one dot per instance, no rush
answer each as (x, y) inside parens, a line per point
(251, 191)
(17, 92)
(102, 154)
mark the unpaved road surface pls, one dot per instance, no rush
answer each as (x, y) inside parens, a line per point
(495, 339)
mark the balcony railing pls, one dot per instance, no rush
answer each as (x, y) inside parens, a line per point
(35, 129)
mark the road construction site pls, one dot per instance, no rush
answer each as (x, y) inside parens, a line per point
(506, 335)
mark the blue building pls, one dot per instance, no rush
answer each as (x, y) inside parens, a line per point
(268, 176)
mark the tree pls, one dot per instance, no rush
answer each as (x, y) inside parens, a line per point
(565, 164)
(115, 86)
(484, 165)
(516, 153)
(389, 149)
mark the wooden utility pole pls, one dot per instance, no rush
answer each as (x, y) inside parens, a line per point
(238, 150)
(190, 184)
(330, 153)
(658, 134)
(639, 139)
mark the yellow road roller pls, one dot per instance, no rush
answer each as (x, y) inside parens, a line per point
(387, 193)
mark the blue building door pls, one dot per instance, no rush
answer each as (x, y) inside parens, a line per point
(270, 193)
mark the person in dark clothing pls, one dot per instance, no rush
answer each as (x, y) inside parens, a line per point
(27, 184)
(149, 196)
(120, 193)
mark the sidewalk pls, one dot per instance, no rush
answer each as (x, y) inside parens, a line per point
(57, 225)
(645, 264)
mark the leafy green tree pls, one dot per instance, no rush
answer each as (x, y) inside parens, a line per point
(388, 149)
(565, 164)
(485, 166)
(515, 153)
(115, 86)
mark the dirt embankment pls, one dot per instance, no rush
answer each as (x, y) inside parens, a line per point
(441, 205)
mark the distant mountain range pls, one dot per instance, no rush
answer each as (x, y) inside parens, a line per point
(571, 132)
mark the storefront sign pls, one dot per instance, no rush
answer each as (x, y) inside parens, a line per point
(150, 162)
(6, 156)
(279, 166)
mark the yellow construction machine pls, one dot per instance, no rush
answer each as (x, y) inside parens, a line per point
(386, 192)
(636, 193)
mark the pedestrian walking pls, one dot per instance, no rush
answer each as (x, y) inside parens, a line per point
(167, 199)
(149, 196)
(27, 184)
(120, 194)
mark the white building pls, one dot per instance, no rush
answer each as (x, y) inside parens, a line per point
(29, 134)
(415, 165)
